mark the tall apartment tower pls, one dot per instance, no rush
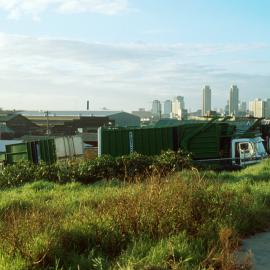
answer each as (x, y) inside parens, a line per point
(178, 108)
(257, 107)
(234, 100)
(167, 107)
(243, 107)
(206, 102)
(156, 108)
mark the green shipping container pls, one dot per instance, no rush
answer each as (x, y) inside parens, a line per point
(210, 140)
(147, 141)
(16, 153)
(203, 140)
(2, 157)
(35, 152)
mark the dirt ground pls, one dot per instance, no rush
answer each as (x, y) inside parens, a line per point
(259, 245)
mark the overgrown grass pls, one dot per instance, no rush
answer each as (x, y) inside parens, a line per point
(191, 220)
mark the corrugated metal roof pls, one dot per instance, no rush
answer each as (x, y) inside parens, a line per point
(69, 113)
(7, 117)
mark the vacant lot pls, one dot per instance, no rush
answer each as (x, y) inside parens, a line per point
(191, 220)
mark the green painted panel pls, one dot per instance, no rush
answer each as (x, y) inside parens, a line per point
(206, 142)
(45, 151)
(16, 148)
(202, 139)
(16, 153)
(148, 141)
(2, 157)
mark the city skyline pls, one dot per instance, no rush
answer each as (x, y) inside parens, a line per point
(119, 54)
(234, 105)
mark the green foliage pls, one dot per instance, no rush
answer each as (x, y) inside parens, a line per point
(134, 165)
(128, 168)
(171, 161)
(18, 174)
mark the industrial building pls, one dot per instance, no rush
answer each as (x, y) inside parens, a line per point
(15, 126)
(85, 123)
(121, 119)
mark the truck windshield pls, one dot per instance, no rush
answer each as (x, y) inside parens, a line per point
(244, 147)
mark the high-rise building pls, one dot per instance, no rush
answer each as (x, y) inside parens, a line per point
(167, 107)
(267, 108)
(156, 108)
(178, 108)
(234, 100)
(243, 107)
(257, 107)
(206, 101)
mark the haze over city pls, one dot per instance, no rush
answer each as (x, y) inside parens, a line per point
(123, 54)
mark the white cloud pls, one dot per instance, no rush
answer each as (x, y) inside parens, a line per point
(62, 74)
(109, 7)
(34, 8)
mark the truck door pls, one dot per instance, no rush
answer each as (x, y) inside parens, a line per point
(246, 152)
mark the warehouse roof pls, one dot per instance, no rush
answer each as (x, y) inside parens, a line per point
(69, 113)
(7, 117)
(5, 129)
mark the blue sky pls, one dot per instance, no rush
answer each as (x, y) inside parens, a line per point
(121, 54)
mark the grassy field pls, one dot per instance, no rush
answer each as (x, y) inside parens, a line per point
(191, 220)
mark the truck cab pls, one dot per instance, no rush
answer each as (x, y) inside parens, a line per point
(246, 151)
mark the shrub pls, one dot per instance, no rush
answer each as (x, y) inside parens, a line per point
(129, 167)
(134, 165)
(18, 174)
(171, 161)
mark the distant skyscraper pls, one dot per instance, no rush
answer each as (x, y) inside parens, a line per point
(178, 108)
(156, 107)
(267, 108)
(234, 100)
(257, 107)
(243, 106)
(206, 102)
(167, 107)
